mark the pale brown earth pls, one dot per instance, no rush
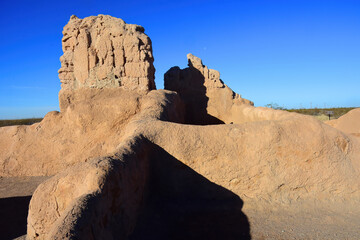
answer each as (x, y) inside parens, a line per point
(348, 123)
(15, 195)
(280, 185)
(137, 163)
(302, 221)
(83, 130)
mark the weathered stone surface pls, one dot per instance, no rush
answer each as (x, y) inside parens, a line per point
(107, 69)
(87, 129)
(99, 199)
(269, 162)
(91, 126)
(207, 99)
(276, 161)
(105, 52)
(126, 166)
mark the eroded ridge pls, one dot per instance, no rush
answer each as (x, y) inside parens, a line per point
(207, 98)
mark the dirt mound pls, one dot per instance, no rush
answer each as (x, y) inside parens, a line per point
(348, 123)
(84, 130)
(91, 126)
(198, 172)
(275, 161)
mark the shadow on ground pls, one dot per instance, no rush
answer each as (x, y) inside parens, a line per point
(182, 204)
(13, 216)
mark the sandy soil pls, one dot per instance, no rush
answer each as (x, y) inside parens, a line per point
(15, 195)
(305, 221)
(295, 221)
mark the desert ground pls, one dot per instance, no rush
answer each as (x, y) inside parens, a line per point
(15, 195)
(297, 221)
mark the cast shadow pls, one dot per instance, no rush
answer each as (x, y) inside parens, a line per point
(189, 84)
(13, 216)
(182, 204)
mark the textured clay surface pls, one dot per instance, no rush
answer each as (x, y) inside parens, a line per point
(130, 162)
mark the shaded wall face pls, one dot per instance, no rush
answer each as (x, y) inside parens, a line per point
(207, 99)
(104, 51)
(189, 83)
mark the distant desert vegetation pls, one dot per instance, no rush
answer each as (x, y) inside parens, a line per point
(26, 121)
(319, 113)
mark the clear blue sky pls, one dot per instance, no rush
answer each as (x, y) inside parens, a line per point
(295, 53)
